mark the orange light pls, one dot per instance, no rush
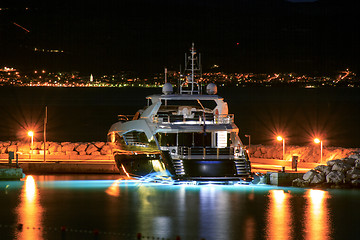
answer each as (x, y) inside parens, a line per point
(316, 140)
(279, 138)
(30, 133)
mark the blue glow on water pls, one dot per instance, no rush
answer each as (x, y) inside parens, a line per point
(165, 210)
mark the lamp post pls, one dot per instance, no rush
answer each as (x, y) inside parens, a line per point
(31, 134)
(317, 141)
(249, 136)
(279, 138)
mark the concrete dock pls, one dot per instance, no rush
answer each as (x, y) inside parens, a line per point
(10, 172)
(105, 165)
(282, 178)
(69, 167)
(34, 164)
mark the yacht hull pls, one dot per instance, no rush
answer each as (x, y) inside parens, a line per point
(139, 165)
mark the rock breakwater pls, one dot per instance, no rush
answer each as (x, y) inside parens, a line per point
(338, 173)
(305, 153)
(56, 148)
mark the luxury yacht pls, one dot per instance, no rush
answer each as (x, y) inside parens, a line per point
(185, 135)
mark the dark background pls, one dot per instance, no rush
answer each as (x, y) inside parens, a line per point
(86, 114)
(145, 36)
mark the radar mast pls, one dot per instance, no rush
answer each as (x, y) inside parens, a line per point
(192, 70)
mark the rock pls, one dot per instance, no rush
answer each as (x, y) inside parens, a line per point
(56, 153)
(91, 148)
(71, 153)
(67, 147)
(323, 168)
(37, 145)
(6, 144)
(355, 156)
(54, 147)
(106, 150)
(352, 174)
(99, 145)
(341, 166)
(82, 153)
(23, 148)
(95, 153)
(263, 150)
(309, 175)
(357, 164)
(335, 177)
(318, 178)
(332, 162)
(81, 147)
(350, 161)
(257, 154)
(300, 183)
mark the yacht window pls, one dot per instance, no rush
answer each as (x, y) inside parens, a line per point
(202, 140)
(185, 139)
(210, 104)
(166, 139)
(180, 102)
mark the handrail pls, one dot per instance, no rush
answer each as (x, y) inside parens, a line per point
(211, 151)
(213, 119)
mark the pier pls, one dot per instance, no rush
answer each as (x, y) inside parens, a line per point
(10, 172)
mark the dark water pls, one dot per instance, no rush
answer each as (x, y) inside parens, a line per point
(86, 114)
(120, 209)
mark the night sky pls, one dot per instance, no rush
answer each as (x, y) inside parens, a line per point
(145, 36)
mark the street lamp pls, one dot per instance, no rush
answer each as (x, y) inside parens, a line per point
(279, 138)
(31, 134)
(248, 136)
(317, 141)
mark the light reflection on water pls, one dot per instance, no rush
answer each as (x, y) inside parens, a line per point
(278, 215)
(317, 225)
(165, 211)
(29, 211)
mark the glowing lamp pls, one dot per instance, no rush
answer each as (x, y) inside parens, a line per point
(280, 138)
(317, 141)
(31, 134)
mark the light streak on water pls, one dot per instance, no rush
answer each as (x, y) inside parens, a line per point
(279, 219)
(114, 189)
(30, 211)
(317, 223)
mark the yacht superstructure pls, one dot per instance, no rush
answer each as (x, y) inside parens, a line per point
(185, 135)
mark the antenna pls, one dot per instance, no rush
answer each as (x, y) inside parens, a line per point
(191, 73)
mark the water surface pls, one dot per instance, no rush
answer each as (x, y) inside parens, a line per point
(104, 207)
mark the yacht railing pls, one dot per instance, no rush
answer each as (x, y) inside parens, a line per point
(208, 118)
(205, 152)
